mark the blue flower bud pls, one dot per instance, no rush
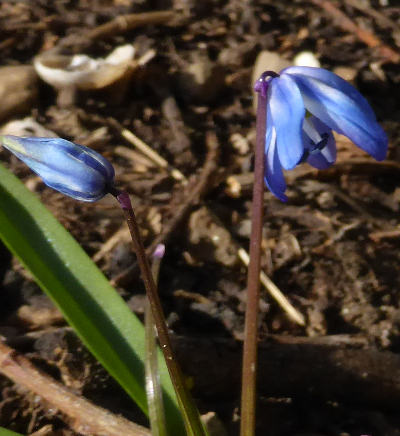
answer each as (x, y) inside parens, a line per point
(69, 168)
(304, 106)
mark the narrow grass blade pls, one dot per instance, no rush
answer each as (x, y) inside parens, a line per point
(153, 386)
(5, 432)
(64, 271)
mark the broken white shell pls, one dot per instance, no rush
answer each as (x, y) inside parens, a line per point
(82, 71)
(26, 127)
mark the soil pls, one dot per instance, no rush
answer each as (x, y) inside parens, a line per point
(333, 249)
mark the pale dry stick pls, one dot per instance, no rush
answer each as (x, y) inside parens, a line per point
(147, 57)
(139, 144)
(273, 290)
(152, 155)
(120, 234)
(143, 60)
(385, 234)
(83, 416)
(135, 156)
(47, 430)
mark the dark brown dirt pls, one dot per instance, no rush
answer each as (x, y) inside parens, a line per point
(333, 249)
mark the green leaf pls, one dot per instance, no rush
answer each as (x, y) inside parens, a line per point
(5, 432)
(89, 303)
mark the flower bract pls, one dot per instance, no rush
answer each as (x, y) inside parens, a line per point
(304, 106)
(69, 168)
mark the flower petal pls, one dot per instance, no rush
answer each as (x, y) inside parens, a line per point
(334, 81)
(287, 111)
(273, 169)
(346, 112)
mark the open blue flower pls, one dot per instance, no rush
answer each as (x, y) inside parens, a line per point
(70, 168)
(304, 105)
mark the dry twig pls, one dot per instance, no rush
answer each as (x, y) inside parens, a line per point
(83, 416)
(386, 52)
(120, 24)
(124, 23)
(275, 292)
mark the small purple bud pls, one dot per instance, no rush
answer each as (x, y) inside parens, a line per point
(159, 251)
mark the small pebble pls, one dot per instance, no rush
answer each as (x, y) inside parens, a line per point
(306, 59)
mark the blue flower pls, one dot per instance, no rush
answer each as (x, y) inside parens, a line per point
(72, 169)
(304, 105)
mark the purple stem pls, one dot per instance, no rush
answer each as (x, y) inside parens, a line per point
(186, 403)
(249, 370)
(147, 276)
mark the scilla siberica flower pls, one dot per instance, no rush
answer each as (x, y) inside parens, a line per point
(304, 105)
(72, 169)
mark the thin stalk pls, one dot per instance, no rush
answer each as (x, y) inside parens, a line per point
(153, 387)
(189, 411)
(249, 370)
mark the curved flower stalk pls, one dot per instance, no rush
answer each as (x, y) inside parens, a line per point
(69, 168)
(304, 106)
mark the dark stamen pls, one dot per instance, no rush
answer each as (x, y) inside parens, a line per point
(314, 148)
(320, 145)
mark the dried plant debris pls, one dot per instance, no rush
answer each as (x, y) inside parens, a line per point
(185, 75)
